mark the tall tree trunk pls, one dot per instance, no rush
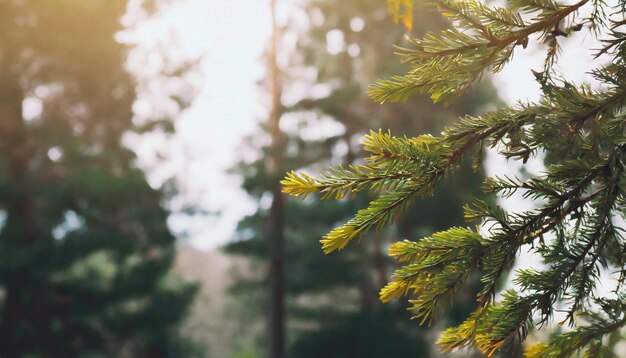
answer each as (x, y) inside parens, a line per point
(275, 223)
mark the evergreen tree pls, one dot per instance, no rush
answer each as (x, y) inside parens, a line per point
(578, 223)
(319, 301)
(85, 251)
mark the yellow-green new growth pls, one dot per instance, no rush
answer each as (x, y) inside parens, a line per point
(580, 198)
(398, 171)
(402, 11)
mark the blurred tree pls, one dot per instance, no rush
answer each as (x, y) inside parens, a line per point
(343, 47)
(85, 251)
(274, 229)
(577, 226)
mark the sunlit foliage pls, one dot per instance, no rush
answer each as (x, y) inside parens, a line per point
(402, 11)
(577, 227)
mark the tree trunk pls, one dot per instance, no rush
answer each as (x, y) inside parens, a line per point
(275, 224)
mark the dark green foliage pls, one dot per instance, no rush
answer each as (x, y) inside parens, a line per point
(577, 226)
(85, 250)
(364, 336)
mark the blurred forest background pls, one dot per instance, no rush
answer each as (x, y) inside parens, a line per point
(88, 263)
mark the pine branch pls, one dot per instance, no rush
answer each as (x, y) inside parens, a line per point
(591, 336)
(578, 196)
(446, 64)
(438, 266)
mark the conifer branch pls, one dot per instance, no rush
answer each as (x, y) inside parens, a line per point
(438, 266)
(446, 64)
(581, 190)
(591, 336)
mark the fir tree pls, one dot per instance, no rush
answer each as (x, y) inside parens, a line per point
(85, 251)
(320, 302)
(577, 225)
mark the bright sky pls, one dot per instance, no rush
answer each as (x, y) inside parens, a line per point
(229, 36)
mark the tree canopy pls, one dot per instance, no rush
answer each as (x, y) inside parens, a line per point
(577, 225)
(85, 250)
